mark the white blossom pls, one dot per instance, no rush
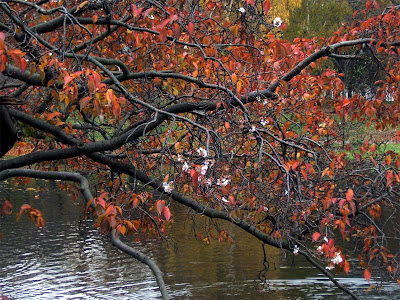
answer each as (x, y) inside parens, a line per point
(224, 200)
(168, 186)
(179, 157)
(277, 22)
(264, 122)
(204, 169)
(242, 10)
(319, 249)
(296, 250)
(330, 267)
(252, 129)
(337, 259)
(326, 239)
(209, 181)
(223, 182)
(151, 17)
(185, 167)
(185, 47)
(202, 152)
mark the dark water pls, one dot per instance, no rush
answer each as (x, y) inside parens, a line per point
(70, 260)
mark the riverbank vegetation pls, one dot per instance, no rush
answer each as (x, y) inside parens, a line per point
(207, 103)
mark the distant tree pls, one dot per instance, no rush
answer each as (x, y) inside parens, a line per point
(317, 18)
(205, 103)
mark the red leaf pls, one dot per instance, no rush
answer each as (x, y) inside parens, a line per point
(267, 6)
(191, 28)
(194, 175)
(165, 22)
(250, 2)
(367, 274)
(134, 10)
(176, 29)
(7, 207)
(304, 173)
(3, 62)
(145, 14)
(67, 79)
(167, 213)
(316, 236)
(309, 168)
(160, 204)
(341, 203)
(349, 195)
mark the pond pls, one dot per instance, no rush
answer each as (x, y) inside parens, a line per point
(68, 259)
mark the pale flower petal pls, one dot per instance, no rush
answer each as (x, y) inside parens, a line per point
(277, 22)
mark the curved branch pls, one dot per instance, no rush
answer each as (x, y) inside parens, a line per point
(327, 274)
(84, 188)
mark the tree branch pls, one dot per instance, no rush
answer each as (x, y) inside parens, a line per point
(84, 188)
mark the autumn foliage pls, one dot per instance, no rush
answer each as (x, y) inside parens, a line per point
(207, 105)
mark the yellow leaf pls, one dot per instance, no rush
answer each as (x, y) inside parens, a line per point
(80, 6)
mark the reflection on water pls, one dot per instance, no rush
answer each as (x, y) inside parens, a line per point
(69, 260)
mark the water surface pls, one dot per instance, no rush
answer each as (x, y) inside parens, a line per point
(70, 260)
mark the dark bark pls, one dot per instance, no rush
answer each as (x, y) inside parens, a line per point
(8, 131)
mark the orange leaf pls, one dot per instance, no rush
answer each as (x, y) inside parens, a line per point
(52, 115)
(123, 230)
(234, 78)
(316, 236)
(135, 202)
(116, 109)
(227, 125)
(389, 178)
(3, 62)
(109, 95)
(346, 266)
(367, 274)
(349, 195)
(388, 160)
(85, 101)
